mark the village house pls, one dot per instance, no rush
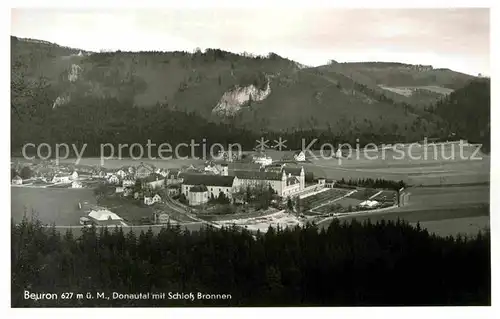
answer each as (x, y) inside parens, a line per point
(300, 156)
(102, 217)
(127, 191)
(329, 183)
(154, 181)
(157, 198)
(114, 179)
(76, 184)
(173, 190)
(211, 168)
(143, 171)
(148, 200)
(275, 167)
(262, 159)
(82, 174)
(192, 169)
(119, 189)
(215, 184)
(74, 176)
(321, 181)
(174, 176)
(61, 179)
(227, 156)
(131, 170)
(17, 180)
(369, 204)
(100, 173)
(128, 181)
(162, 172)
(121, 173)
(138, 195)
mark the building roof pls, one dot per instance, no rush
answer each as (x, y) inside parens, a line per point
(153, 178)
(17, 177)
(198, 189)
(295, 171)
(208, 180)
(369, 203)
(114, 175)
(103, 214)
(258, 175)
(145, 166)
(173, 174)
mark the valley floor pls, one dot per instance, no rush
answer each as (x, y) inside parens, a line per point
(447, 197)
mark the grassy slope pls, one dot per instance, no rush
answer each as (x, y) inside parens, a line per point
(300, 98)
(401, 75)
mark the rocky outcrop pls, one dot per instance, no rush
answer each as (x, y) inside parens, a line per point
(73, 75)
(233, 100)
(74, 72)
(61, 100)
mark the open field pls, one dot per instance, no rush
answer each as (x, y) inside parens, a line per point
(445, 210)
(385, 196)
(431, 171)
(52, 205)
(346, 202)
(469, 226)
(429, 198)
(409, 90)
(130, 210)
(363, 194)
(324, 197)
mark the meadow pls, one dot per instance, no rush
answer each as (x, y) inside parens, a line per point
(447, 210)
(49, 205)
(431, 169)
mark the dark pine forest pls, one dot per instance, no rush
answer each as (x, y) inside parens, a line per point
(347, 264)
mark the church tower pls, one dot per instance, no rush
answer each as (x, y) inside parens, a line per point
(302, 178)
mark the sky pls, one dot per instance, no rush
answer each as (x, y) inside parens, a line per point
(458, 39)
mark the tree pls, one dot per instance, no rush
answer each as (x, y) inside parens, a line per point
(26, 173)
(289, 204)
(183, 199)
(295, 266)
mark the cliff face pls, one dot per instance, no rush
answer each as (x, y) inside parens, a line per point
(74, 73)
(235, 99)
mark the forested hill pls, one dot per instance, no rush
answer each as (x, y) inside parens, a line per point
(353, 264)
(467, 112)
(259, 93)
